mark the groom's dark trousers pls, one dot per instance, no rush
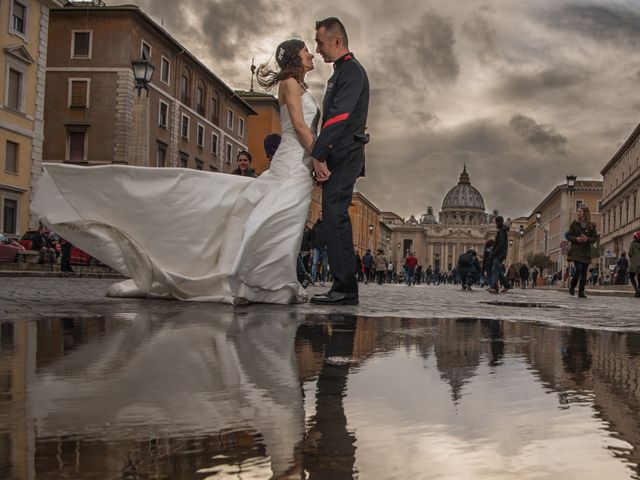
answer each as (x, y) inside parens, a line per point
(341, 144)
(336, 197)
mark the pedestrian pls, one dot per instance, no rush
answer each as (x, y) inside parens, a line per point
(468, 269)
(498, 256)
(359, 267)
(390, 272)
(40, 243)
(381, 263)
(410, 264)
(429, 275)
(419, 274)
(303, 259)
(65, 256)
(534, 277)
(595, 273)
(369, 270)
(582, 234)
(271, 143)
(621, 269)
(524, 275)
(487, 263)
(634, 263)
(318, 242)
(243, 159)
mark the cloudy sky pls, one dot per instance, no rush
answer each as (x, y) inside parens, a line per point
(522, 92)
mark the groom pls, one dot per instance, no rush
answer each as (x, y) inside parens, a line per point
(338, 155)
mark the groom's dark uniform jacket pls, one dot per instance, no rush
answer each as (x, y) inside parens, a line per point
(345, 109)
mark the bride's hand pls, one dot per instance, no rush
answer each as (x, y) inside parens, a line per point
(321, 171)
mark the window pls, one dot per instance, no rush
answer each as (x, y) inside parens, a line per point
(14, 89)
(145, 51)
(214, 144)
(184, 160)
(241, 127)
(200, 99)
(214, 109)
(580, 203)
(10, 216)
(81, 44)
(184, 89)
(162, 155)
(230, 119)
(11, 157)
(79, 93)
(77, 143)
(163, 114)
(199, 164)
(19, 17)
(165, 68)
(200, 136)
(229, 153)
(185, 127)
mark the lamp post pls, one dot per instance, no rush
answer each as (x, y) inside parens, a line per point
(370, 233)
(571, 193)
(535, 232)
(520, 249)
(142, 72)
(140, 128)
(399, 257)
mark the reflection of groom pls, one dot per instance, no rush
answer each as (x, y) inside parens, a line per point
(338, 155)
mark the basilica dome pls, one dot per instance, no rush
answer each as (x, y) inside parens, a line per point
(463, 195)
(463, 204)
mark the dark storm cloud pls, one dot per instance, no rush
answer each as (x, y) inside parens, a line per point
(544, 139)
(519, 85)
(611, 22)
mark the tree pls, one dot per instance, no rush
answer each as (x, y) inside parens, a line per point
(539, 260)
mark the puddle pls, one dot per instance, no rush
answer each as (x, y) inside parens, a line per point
(273, 395)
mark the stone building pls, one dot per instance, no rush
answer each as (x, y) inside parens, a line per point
(462, 224)
(24, 26)
(190, 117)
(620, 204)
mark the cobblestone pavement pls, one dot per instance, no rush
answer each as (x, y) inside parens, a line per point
(44, 297)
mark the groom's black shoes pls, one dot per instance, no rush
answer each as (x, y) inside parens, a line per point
(335, 298)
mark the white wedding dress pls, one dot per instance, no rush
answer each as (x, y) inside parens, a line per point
(189, 234)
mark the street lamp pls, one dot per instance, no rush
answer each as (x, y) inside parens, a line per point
(571, 182)
(142, 72)
(538, 217)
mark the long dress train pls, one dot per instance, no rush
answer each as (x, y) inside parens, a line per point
(189, 234)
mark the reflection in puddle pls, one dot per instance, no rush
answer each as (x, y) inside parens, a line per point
(255, 395)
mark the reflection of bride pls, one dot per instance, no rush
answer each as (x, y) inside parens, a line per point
(194, 235)
(170, 376)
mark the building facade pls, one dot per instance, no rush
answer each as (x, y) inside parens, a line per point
(557, 211)
(620, 204)
(189, 118)
(24, 26)
(266, 122)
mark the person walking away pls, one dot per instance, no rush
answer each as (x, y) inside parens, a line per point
(487, 263)
(468, 269)
(359, 267)
(534, 277)
(634, 263)
(381, 263)
(595, 273)
(418, 274)
(524, 276)
(390, 272)
(369, 268)
(410, 264)
(582, 234)
(622, 268)
(498, 256)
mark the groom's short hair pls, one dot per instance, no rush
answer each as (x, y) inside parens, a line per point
(334, 27)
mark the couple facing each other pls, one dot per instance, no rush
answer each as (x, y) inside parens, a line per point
(205, 236)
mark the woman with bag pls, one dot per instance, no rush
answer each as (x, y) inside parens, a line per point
(582, 234)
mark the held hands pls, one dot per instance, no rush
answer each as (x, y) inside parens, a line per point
(321, 171)
(582, 238)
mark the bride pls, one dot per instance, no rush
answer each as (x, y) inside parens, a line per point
(194, 235)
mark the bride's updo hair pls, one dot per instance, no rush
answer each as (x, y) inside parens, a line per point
(288, 62)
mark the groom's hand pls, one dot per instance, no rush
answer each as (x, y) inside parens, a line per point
(321, 171)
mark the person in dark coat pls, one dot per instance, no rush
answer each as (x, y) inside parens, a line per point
(486, 262)
(65, 256)
(338, 154)
(468, 269)
(498, 256)
(318, 241)
(271, 143)
(582, 234)
(534, 277)
(244, 159)
(621, 269)
(634, 263)
(41, 244)
(524, 276)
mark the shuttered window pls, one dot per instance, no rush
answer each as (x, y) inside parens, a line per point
(81, 44)
(11, 162)
(14, 91)
(79, 93)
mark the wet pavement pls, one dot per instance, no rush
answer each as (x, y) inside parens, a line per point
(421, 383)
